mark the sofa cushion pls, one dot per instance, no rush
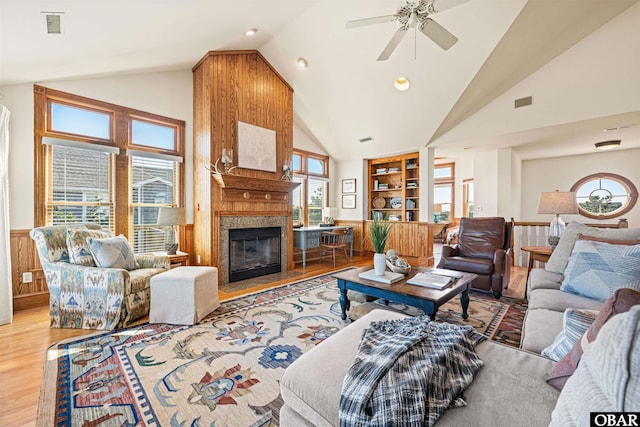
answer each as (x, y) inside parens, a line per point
(470, 265)
(621, 301)
(557, 300)
(312, 384)
(596, 269)
(575, 322)
(78, 247)
(610, 370)
(560, 256)
(539, 278)
(539, 329)
(112, 252)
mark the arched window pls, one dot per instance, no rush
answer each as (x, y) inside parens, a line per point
(605, 195)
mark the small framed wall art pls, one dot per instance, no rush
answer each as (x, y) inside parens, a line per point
(348, 201)
(349, 185)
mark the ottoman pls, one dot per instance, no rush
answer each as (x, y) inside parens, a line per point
(184, 295)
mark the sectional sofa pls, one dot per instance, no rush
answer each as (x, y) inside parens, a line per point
(511, 388)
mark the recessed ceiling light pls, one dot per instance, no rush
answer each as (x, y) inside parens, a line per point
(402, 83)
(250, 32)
(302, 63)
(608, 145)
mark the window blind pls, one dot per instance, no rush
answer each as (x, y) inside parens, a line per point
(316, 200)
(80, 186)
(154, 183)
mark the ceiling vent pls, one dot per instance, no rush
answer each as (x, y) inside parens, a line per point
(54, 22)
(523, 102)
(366, 139)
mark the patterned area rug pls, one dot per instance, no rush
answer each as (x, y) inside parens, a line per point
(222, 372)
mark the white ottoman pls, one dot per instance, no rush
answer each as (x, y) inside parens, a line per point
(184, 295)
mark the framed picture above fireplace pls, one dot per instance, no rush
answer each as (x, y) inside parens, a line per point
(256, 147)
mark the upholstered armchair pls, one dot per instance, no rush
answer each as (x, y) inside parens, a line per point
(483, 248)
(82, 295)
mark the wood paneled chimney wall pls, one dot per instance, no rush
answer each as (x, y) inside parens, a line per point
(232, 86)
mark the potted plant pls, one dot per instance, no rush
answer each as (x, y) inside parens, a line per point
(379, 230)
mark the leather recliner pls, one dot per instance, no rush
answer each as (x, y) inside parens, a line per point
(483, 248)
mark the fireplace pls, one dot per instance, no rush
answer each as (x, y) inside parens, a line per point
(254, 252)
(232, 223)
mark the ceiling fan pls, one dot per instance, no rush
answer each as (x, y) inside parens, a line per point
(412, 14)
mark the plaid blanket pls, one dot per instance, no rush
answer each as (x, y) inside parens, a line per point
(407, 372)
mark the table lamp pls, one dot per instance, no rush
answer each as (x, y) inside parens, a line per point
(170, 217)
(557, 202)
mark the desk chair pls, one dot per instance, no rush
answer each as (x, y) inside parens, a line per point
(335, 240)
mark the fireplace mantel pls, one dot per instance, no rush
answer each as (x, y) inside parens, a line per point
(242, 188)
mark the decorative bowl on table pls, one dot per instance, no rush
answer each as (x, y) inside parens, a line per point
(396, 263)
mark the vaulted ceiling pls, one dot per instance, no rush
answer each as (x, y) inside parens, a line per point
(578, 59)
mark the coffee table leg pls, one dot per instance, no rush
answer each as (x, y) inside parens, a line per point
(464, 302)
(344, 301)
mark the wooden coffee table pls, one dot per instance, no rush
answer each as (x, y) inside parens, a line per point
(429, 300)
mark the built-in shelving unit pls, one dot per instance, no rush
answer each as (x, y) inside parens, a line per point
(394, 185)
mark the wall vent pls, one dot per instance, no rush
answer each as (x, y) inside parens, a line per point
(523, 102)
(366, 139)
(53, 22)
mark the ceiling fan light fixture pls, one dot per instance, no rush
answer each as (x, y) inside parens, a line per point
(251, 32)
(302, 63)
(402, 84)
(608, 145)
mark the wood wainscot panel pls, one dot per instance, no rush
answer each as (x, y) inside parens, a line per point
(358, 234)
(413, 240)
(24, 259)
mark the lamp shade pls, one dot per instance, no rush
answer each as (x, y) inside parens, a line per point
(171, 216)
(557, 202)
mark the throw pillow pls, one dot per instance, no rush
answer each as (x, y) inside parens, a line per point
(112, 252)
(596, 269)
(575, 324)
(621, 301)
(79, 249)
(560, 256)
(608, 378)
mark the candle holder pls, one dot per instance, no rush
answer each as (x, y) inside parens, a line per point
(286, 168)
(227, 159)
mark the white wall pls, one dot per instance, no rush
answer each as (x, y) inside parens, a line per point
(485, 179)
(346, 170)
(561, 173)
(169, 94)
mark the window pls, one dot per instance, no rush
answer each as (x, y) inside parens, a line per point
(311, 170)
(96, 156)
(153, 184)
(605, 195)
(81, 186)
(467, 198)
(443, 192)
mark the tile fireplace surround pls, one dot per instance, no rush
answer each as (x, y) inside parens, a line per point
(229, 222)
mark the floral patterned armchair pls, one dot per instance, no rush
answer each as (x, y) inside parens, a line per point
(91, 297)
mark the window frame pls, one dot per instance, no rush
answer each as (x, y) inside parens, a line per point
(632, 194)
(448, 180)
(120, 137)
(304, 175)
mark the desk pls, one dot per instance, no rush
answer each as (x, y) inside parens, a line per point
(536, 253)
(309, 238)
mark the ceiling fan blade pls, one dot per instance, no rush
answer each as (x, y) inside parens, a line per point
(370, 21)
(393, 43)
(438, 34)
(440, 5)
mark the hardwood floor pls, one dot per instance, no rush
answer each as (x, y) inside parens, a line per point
(24, 342)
